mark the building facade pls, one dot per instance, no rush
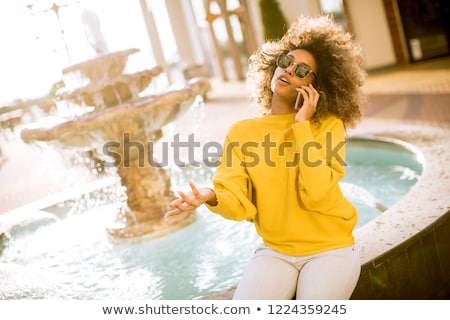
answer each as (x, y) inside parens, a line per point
(391, 32)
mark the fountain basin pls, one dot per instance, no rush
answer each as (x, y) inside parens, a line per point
(112, 91)
(405, 251)
(92, 129)
(97, 69)
(188, 264)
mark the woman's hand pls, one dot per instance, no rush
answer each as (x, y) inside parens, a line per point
(310, 98)
(191, 200)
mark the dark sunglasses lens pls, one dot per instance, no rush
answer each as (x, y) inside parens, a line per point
(284, 61)
(302, 70)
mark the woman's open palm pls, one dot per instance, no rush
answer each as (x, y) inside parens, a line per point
(191, 200)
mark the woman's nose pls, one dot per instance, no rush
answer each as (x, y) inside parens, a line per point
(291, 69)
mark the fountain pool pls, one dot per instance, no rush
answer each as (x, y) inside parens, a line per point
(62, 250)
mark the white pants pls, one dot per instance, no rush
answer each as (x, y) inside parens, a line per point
(271, 275)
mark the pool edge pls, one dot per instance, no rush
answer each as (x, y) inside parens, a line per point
(405, 252)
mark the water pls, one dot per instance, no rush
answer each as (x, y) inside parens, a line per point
(64, 252)
(380, 171)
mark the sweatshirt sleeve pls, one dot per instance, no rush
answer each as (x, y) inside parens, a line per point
(232, 185)
(321, 165)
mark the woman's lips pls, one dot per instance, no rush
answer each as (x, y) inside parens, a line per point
(284, 79)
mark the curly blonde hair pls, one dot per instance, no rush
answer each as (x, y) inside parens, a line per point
(339, 60)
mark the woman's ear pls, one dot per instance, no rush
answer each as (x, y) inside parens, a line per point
(315, 83)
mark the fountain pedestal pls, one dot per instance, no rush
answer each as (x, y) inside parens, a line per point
(147, 186)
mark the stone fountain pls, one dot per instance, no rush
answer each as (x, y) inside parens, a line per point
(114, 113)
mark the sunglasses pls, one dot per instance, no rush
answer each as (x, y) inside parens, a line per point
(302, 70)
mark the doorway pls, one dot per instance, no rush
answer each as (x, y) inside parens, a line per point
(426, 24)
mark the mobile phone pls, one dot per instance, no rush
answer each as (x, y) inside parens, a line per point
(298, 101)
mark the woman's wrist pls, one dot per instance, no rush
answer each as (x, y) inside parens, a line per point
(211, 197)
(301, 118)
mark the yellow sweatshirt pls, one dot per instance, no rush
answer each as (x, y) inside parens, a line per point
(283, 176)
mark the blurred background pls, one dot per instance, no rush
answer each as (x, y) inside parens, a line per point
(192, 37)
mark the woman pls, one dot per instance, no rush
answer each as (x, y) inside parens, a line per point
(281, 170)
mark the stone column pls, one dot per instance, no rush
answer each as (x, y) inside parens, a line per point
(185, 33)
(155, 41)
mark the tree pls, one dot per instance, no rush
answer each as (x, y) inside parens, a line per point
(273, 21)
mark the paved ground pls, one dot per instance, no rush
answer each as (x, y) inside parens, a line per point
(417, 94)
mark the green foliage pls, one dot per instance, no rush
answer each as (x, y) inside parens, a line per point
(273, 21)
